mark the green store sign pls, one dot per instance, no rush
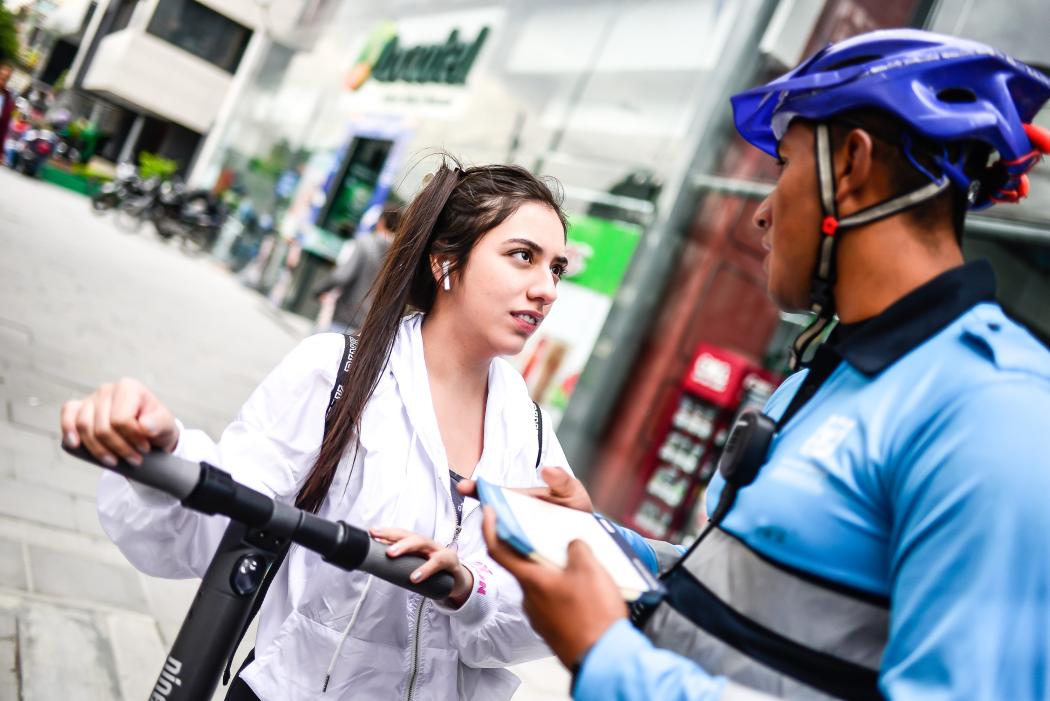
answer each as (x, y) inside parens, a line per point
(386, 60)
(604, 249)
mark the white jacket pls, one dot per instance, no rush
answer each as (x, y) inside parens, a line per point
(399, 478)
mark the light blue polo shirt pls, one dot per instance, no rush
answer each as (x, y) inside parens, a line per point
(919, 472)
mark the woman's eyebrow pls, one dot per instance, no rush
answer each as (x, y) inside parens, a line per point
(536, 249)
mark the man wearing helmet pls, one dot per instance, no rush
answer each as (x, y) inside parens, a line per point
(896, 539)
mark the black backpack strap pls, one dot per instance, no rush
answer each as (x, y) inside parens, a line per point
(338, 389)
(349, 347)
(537, 418)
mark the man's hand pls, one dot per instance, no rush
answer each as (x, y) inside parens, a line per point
(571, 608)
(562, 489)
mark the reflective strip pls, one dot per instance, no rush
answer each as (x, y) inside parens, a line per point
(735, 692)
(827, 257)
(671, 630)
(897, 204)
(825, 170)
(667, 555)
(807, 337)
(801, 610)
(768, 627)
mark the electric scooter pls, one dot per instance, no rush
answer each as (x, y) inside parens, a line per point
(260, 530)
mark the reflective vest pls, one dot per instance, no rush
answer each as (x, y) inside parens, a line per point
(765, 626)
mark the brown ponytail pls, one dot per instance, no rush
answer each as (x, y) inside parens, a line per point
(455, 209)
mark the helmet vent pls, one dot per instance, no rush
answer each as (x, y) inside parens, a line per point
(855, 61)
(957, 95)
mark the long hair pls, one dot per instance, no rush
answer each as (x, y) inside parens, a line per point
(452, 212)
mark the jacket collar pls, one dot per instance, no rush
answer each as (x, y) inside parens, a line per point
(873, 345)
(507, 423)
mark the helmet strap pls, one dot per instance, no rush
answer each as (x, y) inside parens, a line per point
(822, 284)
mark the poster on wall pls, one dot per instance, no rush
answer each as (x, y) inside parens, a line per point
(599, 251)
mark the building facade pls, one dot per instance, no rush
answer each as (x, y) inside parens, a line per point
(155, 74)
(627, 105)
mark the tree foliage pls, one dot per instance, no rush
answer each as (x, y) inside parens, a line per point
(8, 36)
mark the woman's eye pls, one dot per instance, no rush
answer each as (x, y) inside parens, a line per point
(558, 271)
(781, 163)
(522, 255)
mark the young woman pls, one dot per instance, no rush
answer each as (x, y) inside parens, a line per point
(428, 401)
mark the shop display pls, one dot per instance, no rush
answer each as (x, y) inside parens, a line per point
(684, 456)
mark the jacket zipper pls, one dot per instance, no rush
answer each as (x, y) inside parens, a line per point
(419, 618)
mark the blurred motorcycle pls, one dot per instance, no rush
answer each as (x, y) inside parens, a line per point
(125, 186)
(141, 205)
(194, 217)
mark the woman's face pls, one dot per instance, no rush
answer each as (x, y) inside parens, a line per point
(510, 281)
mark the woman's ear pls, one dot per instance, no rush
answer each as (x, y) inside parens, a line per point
(439, 268)
(855, 170)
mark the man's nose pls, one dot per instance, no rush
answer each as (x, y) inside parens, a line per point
(763, 216)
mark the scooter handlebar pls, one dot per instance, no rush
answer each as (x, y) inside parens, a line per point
(159, 470)
(205, 488)
(397, 570)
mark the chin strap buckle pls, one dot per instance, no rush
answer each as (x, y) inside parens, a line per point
(829, 226)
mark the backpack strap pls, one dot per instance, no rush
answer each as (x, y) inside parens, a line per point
(537, 418)
(338, 389)
(349, 347)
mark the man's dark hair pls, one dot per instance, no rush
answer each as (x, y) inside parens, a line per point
(888, 138)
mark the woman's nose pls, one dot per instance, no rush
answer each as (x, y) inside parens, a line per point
(545, 289)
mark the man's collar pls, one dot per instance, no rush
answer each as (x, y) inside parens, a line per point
(873, 345)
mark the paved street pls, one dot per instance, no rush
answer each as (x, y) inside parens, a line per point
(82, 302)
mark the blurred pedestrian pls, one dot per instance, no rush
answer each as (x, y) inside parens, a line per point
(352, 280)
(293, 254)
(7, 103)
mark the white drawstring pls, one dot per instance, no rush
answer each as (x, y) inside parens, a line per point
(364, 592)
(346, 632)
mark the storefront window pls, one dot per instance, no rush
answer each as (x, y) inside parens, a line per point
(608, 97)
(202, 31)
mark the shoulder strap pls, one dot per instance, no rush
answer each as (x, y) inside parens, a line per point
(349, 346)
(537, 418)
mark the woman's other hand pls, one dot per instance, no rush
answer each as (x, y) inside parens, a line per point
(439, 558)
(562, 489)
(121, 420)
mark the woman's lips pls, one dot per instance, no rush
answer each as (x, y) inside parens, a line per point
(527, 321)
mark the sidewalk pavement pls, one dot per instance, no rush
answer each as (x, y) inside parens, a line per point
(82, 302)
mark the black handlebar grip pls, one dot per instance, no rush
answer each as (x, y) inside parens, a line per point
(396, 570)
(159, 470)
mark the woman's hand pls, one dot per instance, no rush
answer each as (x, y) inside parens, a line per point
(439, 558)
(122, 420)
(562, 489)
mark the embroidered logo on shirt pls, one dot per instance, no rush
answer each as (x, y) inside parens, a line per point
(827, 438)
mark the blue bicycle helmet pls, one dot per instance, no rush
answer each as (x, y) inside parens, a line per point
(945, 91)
(943, 88)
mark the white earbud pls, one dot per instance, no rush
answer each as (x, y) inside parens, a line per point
(444, 273)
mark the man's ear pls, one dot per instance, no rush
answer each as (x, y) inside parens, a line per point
(854, 170)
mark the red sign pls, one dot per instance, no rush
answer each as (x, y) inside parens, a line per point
(717, 375)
